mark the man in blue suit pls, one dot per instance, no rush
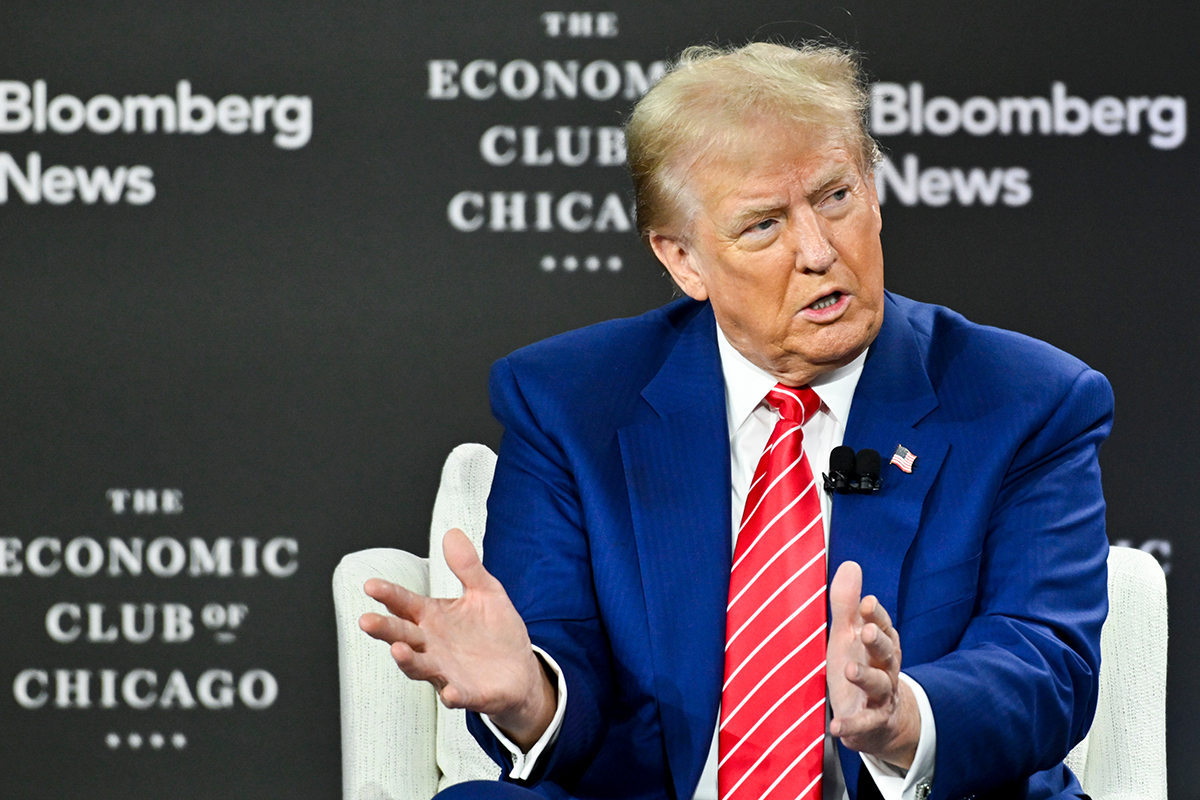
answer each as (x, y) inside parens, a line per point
(592, 644)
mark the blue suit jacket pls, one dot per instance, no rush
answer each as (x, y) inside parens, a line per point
(609, 525)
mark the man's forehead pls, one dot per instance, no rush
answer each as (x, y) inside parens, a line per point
(732, 159)
(750, 174)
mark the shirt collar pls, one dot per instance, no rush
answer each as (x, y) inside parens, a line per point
(746, 385)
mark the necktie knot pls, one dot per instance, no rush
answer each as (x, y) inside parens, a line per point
(795, 403)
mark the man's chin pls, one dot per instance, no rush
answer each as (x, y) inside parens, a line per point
(833, 346)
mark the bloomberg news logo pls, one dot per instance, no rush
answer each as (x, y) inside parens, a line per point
(899, 109)
(28, 108)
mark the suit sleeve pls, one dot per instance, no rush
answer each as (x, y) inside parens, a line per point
(537, 547)
(1020, 688)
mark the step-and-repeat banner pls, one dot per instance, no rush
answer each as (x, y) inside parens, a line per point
(255, 261)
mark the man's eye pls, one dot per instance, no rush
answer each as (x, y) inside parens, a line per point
(839, 195)
(758, 227)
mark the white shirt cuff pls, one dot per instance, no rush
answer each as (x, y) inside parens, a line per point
(913, 783)
(525, 763)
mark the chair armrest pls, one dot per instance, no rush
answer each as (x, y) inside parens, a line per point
(388, 722)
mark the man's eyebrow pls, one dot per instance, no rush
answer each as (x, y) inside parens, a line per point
(756, 210)
(834, 174)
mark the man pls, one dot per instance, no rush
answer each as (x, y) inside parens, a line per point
(630, 447)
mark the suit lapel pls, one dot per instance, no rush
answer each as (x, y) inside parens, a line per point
(893, 395)
(676, 460)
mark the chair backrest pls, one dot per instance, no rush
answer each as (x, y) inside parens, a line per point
(461, 503)
(1124, 753)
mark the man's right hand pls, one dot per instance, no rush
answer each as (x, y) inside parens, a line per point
(475, 650)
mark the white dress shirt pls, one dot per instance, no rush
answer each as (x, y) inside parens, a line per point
(751, 421)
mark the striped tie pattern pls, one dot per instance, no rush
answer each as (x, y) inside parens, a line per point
(773, 702)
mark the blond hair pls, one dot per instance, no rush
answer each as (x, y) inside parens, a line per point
(711, 95)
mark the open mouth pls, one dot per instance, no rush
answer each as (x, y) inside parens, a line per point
(826, 301)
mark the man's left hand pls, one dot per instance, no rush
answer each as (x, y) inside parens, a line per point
(874, 711)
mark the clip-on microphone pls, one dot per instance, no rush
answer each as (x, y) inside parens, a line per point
(868, 472)
(850, 474)
(841, 470)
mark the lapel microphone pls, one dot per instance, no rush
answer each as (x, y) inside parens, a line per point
(868, 466)
(853, 474)
(841, 470)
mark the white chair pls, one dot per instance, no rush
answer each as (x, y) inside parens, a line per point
(1124, 755)
(399, 743)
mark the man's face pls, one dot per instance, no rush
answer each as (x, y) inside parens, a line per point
(785, 243)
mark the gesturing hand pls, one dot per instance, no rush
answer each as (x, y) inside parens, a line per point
(474, 650)
(873, 710)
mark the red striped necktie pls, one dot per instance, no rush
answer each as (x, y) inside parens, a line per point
(773, 702)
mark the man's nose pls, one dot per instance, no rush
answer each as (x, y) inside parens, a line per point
(814, 251)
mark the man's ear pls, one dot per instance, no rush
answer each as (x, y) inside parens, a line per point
(676, 256)
(873, 197)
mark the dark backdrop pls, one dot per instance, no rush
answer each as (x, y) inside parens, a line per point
(281, 343)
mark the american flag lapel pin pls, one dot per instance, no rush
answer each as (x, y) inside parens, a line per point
(903, 458)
